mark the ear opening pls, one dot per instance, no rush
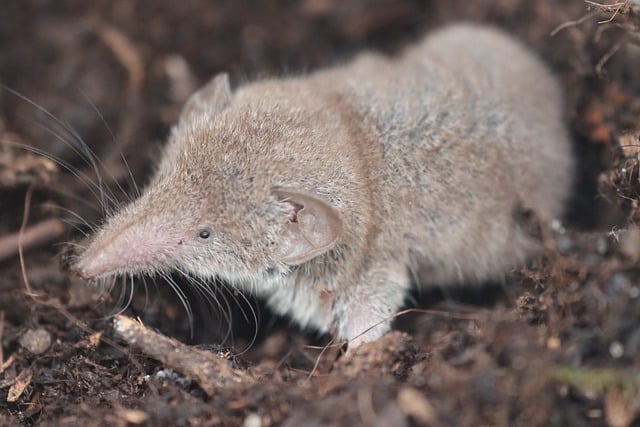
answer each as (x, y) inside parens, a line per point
(213, 97)
(312, 229)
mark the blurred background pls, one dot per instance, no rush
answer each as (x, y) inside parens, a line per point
(114, 75)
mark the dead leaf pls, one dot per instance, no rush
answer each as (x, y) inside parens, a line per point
(22, 381)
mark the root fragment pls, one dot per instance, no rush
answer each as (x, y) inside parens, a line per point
(33, 236)
(212, 372)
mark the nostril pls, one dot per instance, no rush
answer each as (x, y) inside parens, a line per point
(82, 269)
(75, 269)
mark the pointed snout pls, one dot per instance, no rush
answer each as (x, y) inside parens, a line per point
(130, 249)
(79, 271)
(108, 254)
(93, 264)
(86, 269)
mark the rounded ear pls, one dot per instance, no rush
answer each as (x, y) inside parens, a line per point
(312, 230)
(213, 97)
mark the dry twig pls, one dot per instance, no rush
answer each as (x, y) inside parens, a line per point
(209, 370)
(126, 53)
(33, 236)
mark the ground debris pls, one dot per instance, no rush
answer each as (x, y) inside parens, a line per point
(37, 341)
(212, 372)
(20, 167)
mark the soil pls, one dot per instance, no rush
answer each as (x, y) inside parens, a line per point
(557, 343)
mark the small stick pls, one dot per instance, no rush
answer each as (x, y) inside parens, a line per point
(33, 236)
(1, 336)
(126, 53)
(210, 371)
(573, 23)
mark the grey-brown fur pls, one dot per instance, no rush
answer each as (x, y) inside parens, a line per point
(407, 167)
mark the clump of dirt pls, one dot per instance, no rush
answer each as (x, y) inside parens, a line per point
(557, 344)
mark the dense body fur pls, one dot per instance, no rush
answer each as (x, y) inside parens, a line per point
(402, 168)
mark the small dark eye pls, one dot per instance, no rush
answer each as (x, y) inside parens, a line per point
(205, 234)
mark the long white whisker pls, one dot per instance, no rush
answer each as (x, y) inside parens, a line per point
(113, 138)
(183, 299)
(78, 218)
(213, 298)
(254, 316)
(88, 156)
(133, 180)
(65, 165)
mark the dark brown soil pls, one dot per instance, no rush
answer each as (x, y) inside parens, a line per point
(558, 343)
